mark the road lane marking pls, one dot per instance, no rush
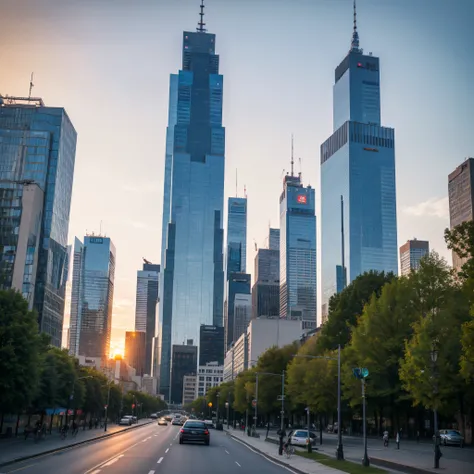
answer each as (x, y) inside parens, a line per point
(112, 461)
(95, 472)
(238, 464)
(167, 449)
(151, 472)
(159, 460)
(264, 456)
(24, 467)
(227, 451)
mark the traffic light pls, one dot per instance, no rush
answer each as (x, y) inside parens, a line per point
(133, 405)
(360, 373)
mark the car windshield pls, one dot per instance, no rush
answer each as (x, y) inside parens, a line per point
(453, 432)
(301, 434)
(194, 424)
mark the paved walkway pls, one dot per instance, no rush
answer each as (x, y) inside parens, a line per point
(270, 450)
(13, 449)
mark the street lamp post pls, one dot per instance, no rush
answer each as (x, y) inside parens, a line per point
(107, 405)
(217, 408)
(437, 450)
(309, 437)
(71, 397)
(362, 374)
(256, 401)
(227, 407)
(339, 449)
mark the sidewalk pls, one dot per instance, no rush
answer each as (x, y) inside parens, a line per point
(270, 450)
(16, 449)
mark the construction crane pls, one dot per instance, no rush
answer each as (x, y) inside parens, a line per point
(146, 261)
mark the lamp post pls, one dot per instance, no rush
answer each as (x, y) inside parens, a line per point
(109, 384)
(362, 374)
(437, 450)
(309, 437)
(339, 449)
(71, 397)
(217, 408)
(227, 408)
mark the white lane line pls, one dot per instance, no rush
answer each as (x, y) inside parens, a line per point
(264, 456)
(159, 460)
(227, 451)
(167, 449)
(151, 472)
(238, 464)
(112, 461)
(95, 472)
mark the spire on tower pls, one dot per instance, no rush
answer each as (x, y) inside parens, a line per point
(355, 35)
(201, 23)
(292, 159)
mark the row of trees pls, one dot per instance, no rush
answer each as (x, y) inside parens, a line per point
(35, 376)
(391, 325)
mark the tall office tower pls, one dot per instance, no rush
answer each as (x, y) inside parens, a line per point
(93, 286)
(192, 292)
(184, 362)
(135, 351)
(297, 250)
(76, 312)
(236, 235)
(461, 199)
(145, 308)
(242, 314)
(37, 155)
(211, 344)
(274, 239)
(237, 283)
(266, 290)
(411, 253)
(358, 196)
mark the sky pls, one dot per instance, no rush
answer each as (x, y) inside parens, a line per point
(107, 62)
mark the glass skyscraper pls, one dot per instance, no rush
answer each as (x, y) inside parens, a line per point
(37, 156)
(192, 241)
(236, 235)
(298, 252)
(357, 167)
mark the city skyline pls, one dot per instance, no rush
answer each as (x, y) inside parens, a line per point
(419, 57)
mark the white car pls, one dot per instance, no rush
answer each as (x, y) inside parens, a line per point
(300, 437)
(125, 422)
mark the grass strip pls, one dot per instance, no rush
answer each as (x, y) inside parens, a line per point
(345, 466)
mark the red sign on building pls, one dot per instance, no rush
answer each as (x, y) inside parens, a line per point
(301, 198)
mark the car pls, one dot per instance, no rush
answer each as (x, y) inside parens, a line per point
(125, 421)
(162, 422)
(194, 431)
(133, 419)
(153, 416)
(209, 423)
(168, 418)
(300, 437)
(176, 422)
(451, 437)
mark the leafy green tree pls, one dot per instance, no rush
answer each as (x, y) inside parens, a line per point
(346, 306)
(467, 357)
(461, 241)
(19, 351)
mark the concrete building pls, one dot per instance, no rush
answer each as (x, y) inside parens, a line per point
(411, 253)
(209, 375)
(149, 384)
(189, 389)
(184, 362)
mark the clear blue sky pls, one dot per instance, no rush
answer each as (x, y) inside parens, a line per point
(108, 64)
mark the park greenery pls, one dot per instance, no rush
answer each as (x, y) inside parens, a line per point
(35, 376)
(390, 325)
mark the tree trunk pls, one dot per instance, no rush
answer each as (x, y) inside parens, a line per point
(17, 425)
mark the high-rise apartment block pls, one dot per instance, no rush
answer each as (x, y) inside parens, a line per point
(145, 308)
(37, 156)
(357, 168)
(411, 253)
(461, 199)
(192, 289)
(92, 297)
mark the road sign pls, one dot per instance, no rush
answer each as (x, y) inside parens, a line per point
(254, 402)
(281, 397)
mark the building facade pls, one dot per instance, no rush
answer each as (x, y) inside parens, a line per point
(145, 308)
(237, 283)
(189, 389)
(410, 255)
(192, 239)
(76, 300)
(298, 252)
(184, 362)
(236, 235)
(274, 239)
(358, 193)
(93, 314)
(242, 313)
(37, 157)
(461, 199)
(209, 375)
(135, 351)
(211, 345)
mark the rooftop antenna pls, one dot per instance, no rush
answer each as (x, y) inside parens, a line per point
(301, 171)
(31, 85)
(245, 191)
(292, 159)
(355, 35)
(201, 23)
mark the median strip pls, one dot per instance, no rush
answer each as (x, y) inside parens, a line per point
(345, 466)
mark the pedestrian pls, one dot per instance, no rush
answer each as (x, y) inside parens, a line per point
(90, 423)
(281, 434)
(398, 440)
(268, 428)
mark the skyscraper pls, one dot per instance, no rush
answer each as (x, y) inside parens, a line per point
(411, 253)
(37, 159)
(236, 235)
(192, 240)
(145, 308)
(297, 250)
(461, 199)
(357, 169)
(92, 297)
(274, 239)
(135, 351)
(266, 290)
(184, 362)
(211, 344)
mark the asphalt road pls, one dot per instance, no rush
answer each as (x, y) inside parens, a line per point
(151, 450)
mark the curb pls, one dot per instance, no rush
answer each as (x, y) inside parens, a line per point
(397, 467)
(79, 443)
(266, 456)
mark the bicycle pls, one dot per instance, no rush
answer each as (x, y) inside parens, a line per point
(289, 451)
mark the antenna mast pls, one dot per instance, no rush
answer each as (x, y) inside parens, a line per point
(31, 85)
(201, 23)
(292, 159)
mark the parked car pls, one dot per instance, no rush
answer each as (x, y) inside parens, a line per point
(209, 423)
(125, 421)
(153, 416)
(451, 437)
(300, 437)
(195, 431)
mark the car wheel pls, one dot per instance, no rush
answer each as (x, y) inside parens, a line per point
(206, 443)
(180, 441)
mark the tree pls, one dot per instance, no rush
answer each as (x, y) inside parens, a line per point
(461, 241)
(467, 357)
(19, 350)
(346, 306)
